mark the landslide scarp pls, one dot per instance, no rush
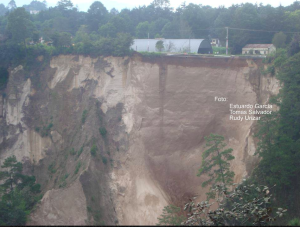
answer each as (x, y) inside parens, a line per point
(114, 140)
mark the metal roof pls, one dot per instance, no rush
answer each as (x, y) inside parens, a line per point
(258, 45)
(177, 45)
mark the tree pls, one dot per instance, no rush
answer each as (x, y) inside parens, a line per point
(12, 5)
(12, 175)
(159, 45)
(120, 24)
(35, 5)
(108, 30)
(294, 46)
(279, 40)
(215, 162)
(171, 216)
(171, 30)
(142, 30)
(82, 35)
(279, 134)
(65, 5)
(194, 17)
(19, 25)
(18, 193)
(161, 3)
(96, 16)
(246, 205)
(3, 77)
(3, 10)
(122, 44)
(156, 26)
(114, 11)
(55, 39)
(35, 36)
(170, 46)
(64, 39)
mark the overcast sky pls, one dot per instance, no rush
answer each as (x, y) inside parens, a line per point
(121, 4)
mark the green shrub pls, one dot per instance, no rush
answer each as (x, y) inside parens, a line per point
(84, 115)
(49, 126)
(220, 50)
(80, 151)
(65, 176)
(77, 167)
(63, 184)
(104, 160)
(294, 222)
(103, 131)
(89, 209)
(3, 77)
(94, 150)
(45, 131)
(72, 151)
(51, 168)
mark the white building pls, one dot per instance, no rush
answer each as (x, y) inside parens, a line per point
(34, 11)
(258, 49)
(215, 42)
(200, 46)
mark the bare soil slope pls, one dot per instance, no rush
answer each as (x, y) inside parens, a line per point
(156, 112)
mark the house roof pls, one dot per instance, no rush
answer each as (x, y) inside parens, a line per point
(258, 45)
(178, 45)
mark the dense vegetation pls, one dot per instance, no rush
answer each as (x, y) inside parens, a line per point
(99, 31)
(279, 133)
(19, 193)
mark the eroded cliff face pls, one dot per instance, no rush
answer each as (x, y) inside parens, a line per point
(156, 112)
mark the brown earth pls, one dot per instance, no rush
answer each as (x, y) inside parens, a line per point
(156, 111)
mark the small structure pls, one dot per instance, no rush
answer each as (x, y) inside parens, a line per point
(34, 11)
(215, 42)
(259, 49)
(200, 46)
(41, 40)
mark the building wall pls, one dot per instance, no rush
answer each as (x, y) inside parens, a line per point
(261, 51)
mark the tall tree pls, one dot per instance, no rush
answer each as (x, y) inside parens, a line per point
(3, 10)
(97, 16)
(161, 3)
(12, 5)
(19, 25)
(215, 162)
(142, 30)
(279, 40)
(65, 5)
(18, 193)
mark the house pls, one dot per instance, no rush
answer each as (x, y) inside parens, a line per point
(258, 49)
(41, 40)
(215, 42)
(200, 46)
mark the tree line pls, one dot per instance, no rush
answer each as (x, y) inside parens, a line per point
(65, 25)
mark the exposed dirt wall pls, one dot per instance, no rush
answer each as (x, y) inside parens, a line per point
(120, 138)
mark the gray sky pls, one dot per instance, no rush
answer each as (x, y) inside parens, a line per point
(120, 4)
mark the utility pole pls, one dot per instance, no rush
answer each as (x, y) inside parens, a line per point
(189, 44)
(226, 41)
(148, 41)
